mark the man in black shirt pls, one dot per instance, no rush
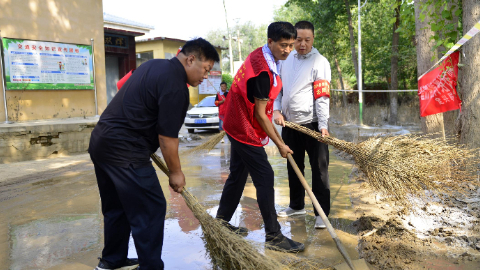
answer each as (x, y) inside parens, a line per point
(146, 113)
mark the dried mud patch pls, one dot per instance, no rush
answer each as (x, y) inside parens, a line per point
(443, 233)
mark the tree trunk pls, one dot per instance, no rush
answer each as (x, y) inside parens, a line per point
(450, 117)
(425, 52)
(394, 68)
(352, 40)
(342, 86)
(470, 76)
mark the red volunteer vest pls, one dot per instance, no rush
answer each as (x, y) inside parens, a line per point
(240, 121)
(221, 107)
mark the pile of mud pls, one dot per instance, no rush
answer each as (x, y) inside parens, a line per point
(443, 233)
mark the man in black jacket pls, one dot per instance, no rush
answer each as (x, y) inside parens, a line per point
(146, 113)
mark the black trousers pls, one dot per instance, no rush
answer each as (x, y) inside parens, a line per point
(132, 200)
(250, 159)
(319, 159)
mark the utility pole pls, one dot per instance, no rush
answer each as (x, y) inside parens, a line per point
(230, 51)
(359, 82)
(239, 41)
(229, 41)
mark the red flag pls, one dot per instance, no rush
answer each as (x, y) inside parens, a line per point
(437, 89)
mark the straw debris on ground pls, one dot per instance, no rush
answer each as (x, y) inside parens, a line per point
(230, 251)
(406, 165)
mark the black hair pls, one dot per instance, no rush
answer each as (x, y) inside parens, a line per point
(223, 82)
(201, 49)
(281, 30)
(305, 25)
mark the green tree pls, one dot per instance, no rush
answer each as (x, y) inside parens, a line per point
(335, 38)
(226, 77)
(329, 35)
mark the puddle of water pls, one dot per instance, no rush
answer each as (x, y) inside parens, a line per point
(41, 244)
(207, 187)
(66, 217)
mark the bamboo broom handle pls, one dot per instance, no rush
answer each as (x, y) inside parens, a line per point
(319, 209)
(163, 167)
(160, 164)
(342, 145)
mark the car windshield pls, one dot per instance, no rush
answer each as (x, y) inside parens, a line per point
(207, 102)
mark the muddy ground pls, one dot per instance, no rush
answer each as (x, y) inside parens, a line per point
(435, 233)
(50, 216)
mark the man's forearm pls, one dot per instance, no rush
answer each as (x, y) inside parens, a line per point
(322, 111)
(268, 127)
(169, 147)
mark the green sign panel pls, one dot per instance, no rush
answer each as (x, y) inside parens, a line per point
(33, 65)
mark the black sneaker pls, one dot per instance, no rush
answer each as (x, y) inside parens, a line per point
(129, 264)
(285, 244)
(238, 230)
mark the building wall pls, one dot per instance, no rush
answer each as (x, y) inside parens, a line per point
(155, 46)
(171, 47)
(57, 21)
(49, 139)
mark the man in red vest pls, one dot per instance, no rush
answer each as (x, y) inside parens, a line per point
(220, 103)
(248, 124)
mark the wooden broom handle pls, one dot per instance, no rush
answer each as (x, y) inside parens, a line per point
(319, 209)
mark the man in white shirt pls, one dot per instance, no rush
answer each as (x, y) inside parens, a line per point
(305, 100)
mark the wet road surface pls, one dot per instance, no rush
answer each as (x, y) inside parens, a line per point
(51, 219)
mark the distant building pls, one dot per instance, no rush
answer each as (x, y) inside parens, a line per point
(166, 48)
(119, 40)
(64, 22)
(62, 60)
(44, 29)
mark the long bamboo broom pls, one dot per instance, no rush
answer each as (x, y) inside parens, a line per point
(317, 206)
(205, 146)
(228, 250)
(407, 164)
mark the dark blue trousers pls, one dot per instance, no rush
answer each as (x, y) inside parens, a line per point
(132, 200)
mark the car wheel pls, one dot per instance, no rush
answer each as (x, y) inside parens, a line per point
(191, 130)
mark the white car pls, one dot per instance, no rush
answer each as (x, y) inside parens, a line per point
(204, 115)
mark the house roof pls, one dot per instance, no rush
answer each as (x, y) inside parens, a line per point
(119, 21)
(171, 39)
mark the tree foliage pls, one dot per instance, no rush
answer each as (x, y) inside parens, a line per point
(253, 37)
(332, 37)
(445, 21)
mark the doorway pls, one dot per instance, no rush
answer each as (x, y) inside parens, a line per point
(112, 75)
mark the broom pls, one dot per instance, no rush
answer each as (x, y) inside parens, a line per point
(317, 206)
(228, 250)
(206, 146)
(407, 164)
